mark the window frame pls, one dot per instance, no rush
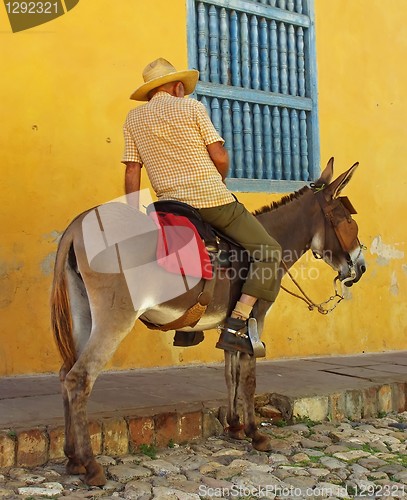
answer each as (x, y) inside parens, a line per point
(309, 104)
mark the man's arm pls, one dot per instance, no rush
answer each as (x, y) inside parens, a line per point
(220, 157)
(132, 181)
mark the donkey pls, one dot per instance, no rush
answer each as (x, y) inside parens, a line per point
(93, 311)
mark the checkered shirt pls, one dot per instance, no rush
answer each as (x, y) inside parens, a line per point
(169, 135)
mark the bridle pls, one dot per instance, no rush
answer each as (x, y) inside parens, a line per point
(338, 213)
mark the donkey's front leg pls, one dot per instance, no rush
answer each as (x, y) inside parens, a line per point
(260, 440)
(232, 375)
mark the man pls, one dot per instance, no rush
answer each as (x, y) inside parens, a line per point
(186, 161)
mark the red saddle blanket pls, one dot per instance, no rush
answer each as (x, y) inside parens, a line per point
(180, 248)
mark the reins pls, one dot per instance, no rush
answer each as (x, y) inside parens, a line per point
(310, 303)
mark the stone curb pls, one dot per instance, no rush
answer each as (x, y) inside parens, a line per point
(118, 436)
(353, 404)
(113, 436)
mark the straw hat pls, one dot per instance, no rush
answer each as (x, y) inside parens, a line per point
(161, 71)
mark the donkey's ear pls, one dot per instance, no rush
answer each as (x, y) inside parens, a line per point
(326, 175)
(334, 189)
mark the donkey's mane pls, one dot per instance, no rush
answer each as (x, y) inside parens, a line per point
(284, 201)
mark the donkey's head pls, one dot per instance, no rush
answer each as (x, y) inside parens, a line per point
(336, 236)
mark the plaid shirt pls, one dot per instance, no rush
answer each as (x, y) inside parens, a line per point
(169, 135)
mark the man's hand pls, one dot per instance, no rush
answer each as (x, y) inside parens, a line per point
(132, 181)
(220, 157)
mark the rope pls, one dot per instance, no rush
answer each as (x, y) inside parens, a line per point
(311, 304)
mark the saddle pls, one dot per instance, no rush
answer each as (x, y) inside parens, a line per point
(218, 247)
(216, 243)
(204, 229)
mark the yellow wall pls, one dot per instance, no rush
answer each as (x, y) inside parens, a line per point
(64, 95)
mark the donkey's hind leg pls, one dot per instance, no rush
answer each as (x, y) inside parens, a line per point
(81, 329)
(260, 440)
(74, 465)
(108, 331)
(232, 375)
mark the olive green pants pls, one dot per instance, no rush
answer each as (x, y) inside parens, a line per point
(236, 222)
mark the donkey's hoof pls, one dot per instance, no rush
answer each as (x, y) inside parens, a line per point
(75, 468)
(261, 443)
(239, 435)
(95, 475)
(236, 432)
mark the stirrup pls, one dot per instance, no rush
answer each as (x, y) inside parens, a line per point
(259, 349)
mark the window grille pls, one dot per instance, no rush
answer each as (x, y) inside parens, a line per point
(257, 67)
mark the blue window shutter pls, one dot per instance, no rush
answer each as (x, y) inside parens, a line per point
(258, 81)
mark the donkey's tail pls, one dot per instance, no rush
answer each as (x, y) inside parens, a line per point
(61, 317)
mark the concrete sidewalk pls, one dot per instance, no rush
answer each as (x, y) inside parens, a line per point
(36, 400)
(317, 388)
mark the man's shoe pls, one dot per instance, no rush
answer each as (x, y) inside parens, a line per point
(234, 336)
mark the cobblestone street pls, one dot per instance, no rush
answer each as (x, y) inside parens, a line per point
(359, 459)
